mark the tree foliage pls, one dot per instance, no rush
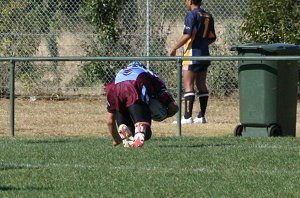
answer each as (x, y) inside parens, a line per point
(103, 16)
(273, 21)
(22, 20)
(22, 24)
(121, 30)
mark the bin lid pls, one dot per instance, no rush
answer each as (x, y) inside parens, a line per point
(264, 48)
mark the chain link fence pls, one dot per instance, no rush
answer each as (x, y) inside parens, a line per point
(147, 28)
(58, 28)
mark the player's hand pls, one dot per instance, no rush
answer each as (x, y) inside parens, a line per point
(172, 109)
(172, 52)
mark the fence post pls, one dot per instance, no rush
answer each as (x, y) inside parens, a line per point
(12, 98)
(179, 89)
(148, 2)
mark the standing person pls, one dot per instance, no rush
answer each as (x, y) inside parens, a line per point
(129, 97)
(198, 34)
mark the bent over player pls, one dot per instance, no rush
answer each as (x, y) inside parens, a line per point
(129, 97)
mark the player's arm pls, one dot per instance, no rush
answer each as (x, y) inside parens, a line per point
(182, 40)
(164, 96)
(211, 34)
(187, 33)
(110, 116)
(160, 89)
(112, 128)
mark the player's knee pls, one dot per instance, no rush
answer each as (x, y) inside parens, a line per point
(143, 128)
(203, 94)
(189, 95)
(202, 87)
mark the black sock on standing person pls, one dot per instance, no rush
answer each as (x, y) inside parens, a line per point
(189, 98)
(203, 99)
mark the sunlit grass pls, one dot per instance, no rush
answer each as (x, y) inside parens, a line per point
(164, 167)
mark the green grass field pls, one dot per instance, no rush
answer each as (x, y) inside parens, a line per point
(222, 166)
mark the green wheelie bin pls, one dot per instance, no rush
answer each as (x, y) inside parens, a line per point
(267, 91)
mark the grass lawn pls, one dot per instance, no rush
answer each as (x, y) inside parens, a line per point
(223, 166)
(62, 149)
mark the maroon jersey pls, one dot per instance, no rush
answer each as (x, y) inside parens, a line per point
(132, 84)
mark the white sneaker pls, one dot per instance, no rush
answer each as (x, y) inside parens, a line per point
(128, 143)
(139, 139)
(126, 136)
(185, 121)
(201, 120)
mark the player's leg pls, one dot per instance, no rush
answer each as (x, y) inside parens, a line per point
(189, 95)
(203, 95)
(141, 116)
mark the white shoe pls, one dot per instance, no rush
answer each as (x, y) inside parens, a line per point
(139, 139)
(126, 136)
(184, 121)
(201, 120)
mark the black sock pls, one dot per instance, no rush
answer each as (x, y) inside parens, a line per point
(203, 98)
(189, 98)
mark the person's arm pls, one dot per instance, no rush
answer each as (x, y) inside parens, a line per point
(212, 34)
(164, 96)
(182, 40)
(112, 128)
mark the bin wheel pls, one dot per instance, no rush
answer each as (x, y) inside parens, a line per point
(238, 130)
(274, 130)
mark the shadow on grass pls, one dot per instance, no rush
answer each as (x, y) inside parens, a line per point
(4, 167)
(12, 188)
(8, 188)
(51, 141)
(195, 145)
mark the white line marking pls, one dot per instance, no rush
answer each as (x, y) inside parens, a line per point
(150, 169)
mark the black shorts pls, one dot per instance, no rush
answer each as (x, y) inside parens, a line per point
(197, 68)
(138, 112)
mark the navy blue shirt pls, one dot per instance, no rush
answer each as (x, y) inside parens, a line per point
(199, 24)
